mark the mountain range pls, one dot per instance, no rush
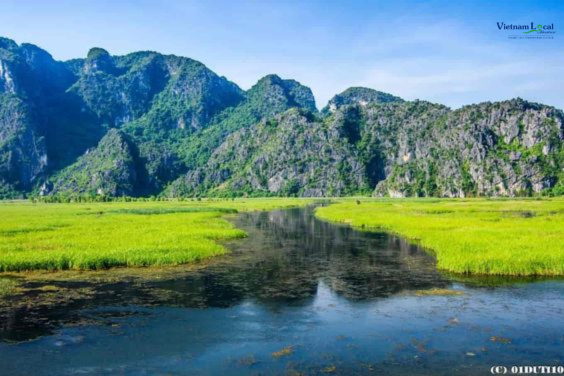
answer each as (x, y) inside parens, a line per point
(151, 124)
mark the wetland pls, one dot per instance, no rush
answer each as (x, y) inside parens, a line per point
(297, 295)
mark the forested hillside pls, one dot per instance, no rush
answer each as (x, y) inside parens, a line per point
(151, 124)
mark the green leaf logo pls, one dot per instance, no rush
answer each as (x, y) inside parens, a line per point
(539, 28)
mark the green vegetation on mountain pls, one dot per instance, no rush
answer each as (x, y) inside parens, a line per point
(509, 237)
(22, 151)
(359, 96)
(292, 154)
(151, 124)
(271, 96)
(111, 169)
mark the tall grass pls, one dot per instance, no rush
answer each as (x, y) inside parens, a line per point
(105, 235)
(500, 237)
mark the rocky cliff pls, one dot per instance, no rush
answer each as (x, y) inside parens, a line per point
(506, 148)
(112, 168)
(394, 149)
(148, 124)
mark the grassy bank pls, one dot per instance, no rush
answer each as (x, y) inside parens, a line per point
(104, 235)
(513, 237)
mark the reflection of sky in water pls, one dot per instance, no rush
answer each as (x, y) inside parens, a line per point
(335, 297)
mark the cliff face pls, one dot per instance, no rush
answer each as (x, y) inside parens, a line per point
(505, 148)
(147, 123)
(52, 112)
(163, 92)
(23, 156)
(359, 96)
(111, 168)
(398, 149)
(295, 153)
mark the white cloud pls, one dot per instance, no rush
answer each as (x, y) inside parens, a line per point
(450, 64)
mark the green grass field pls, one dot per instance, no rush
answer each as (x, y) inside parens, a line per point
(103, 235)
(511, 237)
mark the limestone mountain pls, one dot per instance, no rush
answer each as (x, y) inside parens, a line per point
(292, 153)
(269, 97)
(111, 168)
(162, 92)
(153, 124)
(23, 155)
(397, 148)
(504, 148)
(52, 112)
(360, 96)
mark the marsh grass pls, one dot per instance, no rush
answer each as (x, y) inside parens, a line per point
(157, 211)
(497, 237)
(438, 292)
(97, 236)
(7, 287)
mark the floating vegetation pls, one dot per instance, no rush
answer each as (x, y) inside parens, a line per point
(329, 369)
(419, 345)
(438, 292)
(502, 340)
(48, 288)
(7, 287)
(286, 351)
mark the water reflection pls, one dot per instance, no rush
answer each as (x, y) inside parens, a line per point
(298, 296)
(282, 261)
(289, 252)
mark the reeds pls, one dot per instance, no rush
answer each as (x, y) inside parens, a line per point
(502, 237)
(104, 235)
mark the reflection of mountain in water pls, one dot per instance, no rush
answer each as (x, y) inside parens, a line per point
(287, 255)
(288, 252)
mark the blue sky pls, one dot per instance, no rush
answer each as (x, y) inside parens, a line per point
(442, 51)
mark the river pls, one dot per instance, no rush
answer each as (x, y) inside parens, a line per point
(298, 296)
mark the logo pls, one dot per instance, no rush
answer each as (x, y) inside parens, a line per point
(534, 30)
(527, 31)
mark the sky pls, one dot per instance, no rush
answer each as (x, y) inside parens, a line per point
(450, 52)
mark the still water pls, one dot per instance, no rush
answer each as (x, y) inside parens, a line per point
(298, 296)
